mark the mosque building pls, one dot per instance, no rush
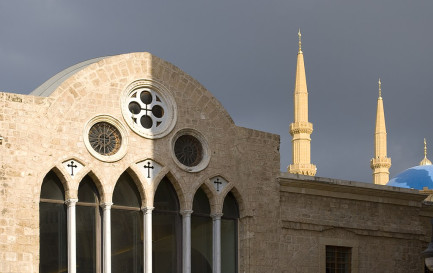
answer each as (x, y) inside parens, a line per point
(417, 177)
(128, 164)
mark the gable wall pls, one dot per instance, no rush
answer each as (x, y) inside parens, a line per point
(42, 132)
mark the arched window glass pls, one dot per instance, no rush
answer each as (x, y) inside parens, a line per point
(127, 228)
(88, 228)
(52, 226)
(229, 235)
(201, 234)
(166, 230)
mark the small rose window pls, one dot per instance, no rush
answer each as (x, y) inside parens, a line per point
(105, 138)
(188, 150)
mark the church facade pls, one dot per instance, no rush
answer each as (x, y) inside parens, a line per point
(128, 164)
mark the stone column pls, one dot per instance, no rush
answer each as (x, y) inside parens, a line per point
(106, 226)
(216, 234)
(147, 240)
(72, 236)
(186, 241)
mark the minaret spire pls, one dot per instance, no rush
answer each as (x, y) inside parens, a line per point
(301, 128)
(425, 160)
(380, 164)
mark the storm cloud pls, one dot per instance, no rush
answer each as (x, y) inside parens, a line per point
(244, 53)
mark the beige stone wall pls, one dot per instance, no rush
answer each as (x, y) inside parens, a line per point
(387, 228)
(40, 133)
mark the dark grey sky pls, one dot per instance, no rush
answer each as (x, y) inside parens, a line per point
(244, 52)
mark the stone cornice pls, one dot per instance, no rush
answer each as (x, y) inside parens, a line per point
(344, 189)
(377, 232)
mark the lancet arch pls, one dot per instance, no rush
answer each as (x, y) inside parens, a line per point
(137, 182)
(52, 224)
(63, 178)
(239, 199)
(210, 192)
(97, 181)
(127, 225)
(174, 180)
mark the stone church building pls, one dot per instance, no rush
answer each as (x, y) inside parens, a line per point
(127, 164)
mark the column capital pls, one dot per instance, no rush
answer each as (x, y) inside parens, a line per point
(147, 210)
(71, 202)
(216, 216)
(106, 206)
(186, 212)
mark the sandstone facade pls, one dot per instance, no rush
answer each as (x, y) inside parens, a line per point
(285, 220)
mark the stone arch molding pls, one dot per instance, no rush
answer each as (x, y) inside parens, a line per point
(71, 183)
(216, 198)
(243, 210)
(148, 187)
(66, 182)
(208, 190)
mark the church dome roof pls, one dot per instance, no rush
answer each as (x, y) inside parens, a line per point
(416, 177)
(51, 84)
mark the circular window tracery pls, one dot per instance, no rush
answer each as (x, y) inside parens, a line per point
(149, 109)
(190, 150)
(105, 138)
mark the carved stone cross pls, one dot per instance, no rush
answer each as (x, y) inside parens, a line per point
(217, 182)
(148, 167)
(72, 166)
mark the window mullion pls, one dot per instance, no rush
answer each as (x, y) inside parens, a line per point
(106, 226)
(72, 236)
(216, 231)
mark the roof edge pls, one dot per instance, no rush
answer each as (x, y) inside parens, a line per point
(49, 86)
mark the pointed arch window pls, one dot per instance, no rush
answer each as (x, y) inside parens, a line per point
(201, 234)
(52, 226)
(166, 230)
(229, 235)
(88, 228)
(127, 227)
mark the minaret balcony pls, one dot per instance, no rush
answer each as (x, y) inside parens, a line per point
(304, 169)
(380, 162)
(301, 127)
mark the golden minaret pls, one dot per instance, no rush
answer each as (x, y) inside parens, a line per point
(301, 129)
(380, 164)
(425, 160)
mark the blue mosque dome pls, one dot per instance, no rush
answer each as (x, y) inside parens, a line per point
(417, 177)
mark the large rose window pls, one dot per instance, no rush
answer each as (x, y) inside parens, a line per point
(149, 109)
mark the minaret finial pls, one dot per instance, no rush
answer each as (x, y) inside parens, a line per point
(380, 88)
(300, 42)
(425, 160)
